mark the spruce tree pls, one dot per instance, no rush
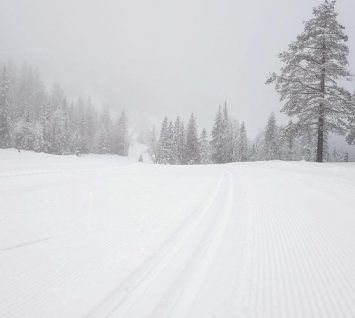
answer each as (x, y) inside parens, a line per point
(227, 136)
(5, 116)
(272, 142)
(171, 147)
(308, 82)
(243, 144)
(152, 145)
(204, 148)
(192, 144)
(122, 135)
(178, 143)
(163, 153)
(217, 141)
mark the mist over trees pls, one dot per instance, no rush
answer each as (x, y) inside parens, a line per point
(228, 142)
(31, 118)
(308, 83)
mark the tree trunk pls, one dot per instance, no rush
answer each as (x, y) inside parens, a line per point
(321, 119)
(320, 141)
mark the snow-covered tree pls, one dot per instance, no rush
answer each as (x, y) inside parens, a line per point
(204, 148)
(5, 111)
(153, 144)
(227, 136)
(164, 143)
(290, 149)
(178, 143)
(243, 144)
(308, 82)
(350, 138)
(122, 135)
(59, 130)
(217, 138)
(272, 139)
(192, 144)
(171, 146)
(235, 136)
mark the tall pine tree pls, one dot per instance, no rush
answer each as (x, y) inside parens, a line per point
(308, 82)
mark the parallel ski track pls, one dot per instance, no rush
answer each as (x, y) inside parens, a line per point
(121, 300)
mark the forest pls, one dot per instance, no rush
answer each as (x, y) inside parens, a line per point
(32, 118)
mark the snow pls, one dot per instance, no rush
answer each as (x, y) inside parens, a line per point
(105, 236)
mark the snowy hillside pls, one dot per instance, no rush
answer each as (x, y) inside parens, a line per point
(102, 236)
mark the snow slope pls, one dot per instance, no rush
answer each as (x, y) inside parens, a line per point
(101, 236)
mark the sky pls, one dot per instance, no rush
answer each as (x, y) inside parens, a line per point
(161, 57)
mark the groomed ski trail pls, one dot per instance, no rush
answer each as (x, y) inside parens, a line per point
(167, 284)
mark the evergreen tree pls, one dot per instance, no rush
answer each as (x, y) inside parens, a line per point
(272, 142)
(235, 136)
(59, 130)
(123, 143)
(171, 155)
(45, 121)
(204, 148)
(308, 82)
(289, 142)
(217, 142)
(192, 144)
(181, 145)
(350, 138)
(152, 145)
(102, 144)
(164, 143)
(178, 142)
(227, 136)
(243, 144)
(5, 116)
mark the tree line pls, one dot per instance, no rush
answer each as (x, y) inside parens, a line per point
(32, 118)
(228, 142)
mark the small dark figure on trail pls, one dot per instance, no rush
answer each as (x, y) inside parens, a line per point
(346, 157)
(18, 149)
(77, 153)
(140, 159)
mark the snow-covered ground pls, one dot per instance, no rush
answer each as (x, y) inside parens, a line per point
(102, 236)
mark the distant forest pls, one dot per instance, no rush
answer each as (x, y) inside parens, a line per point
(228, 142)
(32, 118)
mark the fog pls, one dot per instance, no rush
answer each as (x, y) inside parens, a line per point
(156, 58)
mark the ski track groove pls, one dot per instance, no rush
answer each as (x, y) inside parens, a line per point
(198, 265)
(25, 244)
(125, 292)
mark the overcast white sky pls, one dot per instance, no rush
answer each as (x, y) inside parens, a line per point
(157, 57)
